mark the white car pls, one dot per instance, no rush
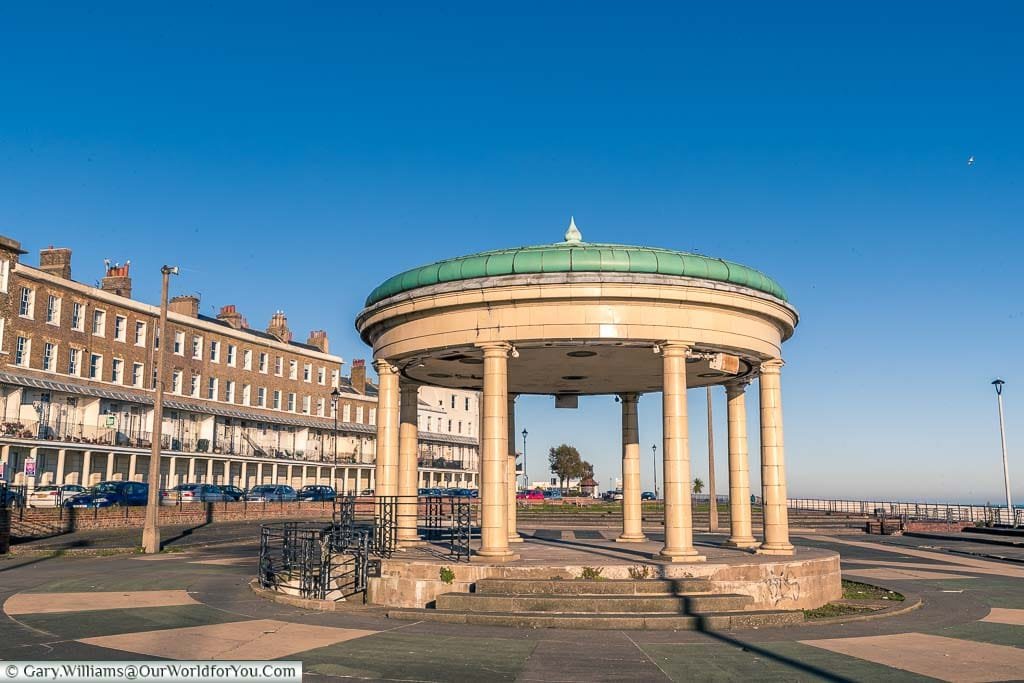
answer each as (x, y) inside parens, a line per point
(266, 493)
(52, 496)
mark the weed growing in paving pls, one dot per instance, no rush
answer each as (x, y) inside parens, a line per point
(639, 571)
(592, 573)
(447, 575)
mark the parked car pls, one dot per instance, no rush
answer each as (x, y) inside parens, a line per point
(266, 493)
(535, 494)
(617, 495)
(232, 492)
(434, 491)
(11, 497)
(317, 492)
(648, 495)
(553, 494)
(192, 493)
(461, 493)
(366, 492)
(109, 493)
(52, 496)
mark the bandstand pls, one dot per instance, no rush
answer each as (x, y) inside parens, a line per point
(574, 319)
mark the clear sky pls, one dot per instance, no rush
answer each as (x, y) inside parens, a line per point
(294, 155)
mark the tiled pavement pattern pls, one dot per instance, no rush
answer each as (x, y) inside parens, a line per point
(197, 604)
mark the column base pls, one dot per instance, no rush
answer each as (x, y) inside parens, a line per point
(492, 556)
(680, 556)
(775, 549)
(515, 538)
(742, 543)
(631, 538)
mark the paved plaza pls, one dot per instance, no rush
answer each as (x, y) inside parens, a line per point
(195, 602)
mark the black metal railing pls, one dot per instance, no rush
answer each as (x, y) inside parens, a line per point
(315, 561)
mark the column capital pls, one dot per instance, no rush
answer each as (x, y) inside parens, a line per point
(675, 348)
(629, 397)
(736, 387)
(384, 367)
(408, 387)
(495, 349)
(772, 366)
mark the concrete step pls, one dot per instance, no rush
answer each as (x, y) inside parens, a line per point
(593, 587)
(658, 622)
(592, 604)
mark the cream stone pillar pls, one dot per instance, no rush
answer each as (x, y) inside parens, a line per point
(243, 481)
(209, 471)
(632, 513)
(172, 473)
(191, 469)
(510, 475)
(740, 533)
(494, 444)
(408, 447)
(773, 469)
(86, 468)
(110, 466)
(59, 477)
(259, 473)
(386, 468)
(676, 455)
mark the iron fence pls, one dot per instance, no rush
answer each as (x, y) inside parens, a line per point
(952, 512)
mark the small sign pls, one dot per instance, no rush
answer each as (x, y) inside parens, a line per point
(373, 569)
(30, 467)
(110, 421)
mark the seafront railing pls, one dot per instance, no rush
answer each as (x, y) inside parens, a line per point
(952, 512)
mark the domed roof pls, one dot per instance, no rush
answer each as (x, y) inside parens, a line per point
(576, 256)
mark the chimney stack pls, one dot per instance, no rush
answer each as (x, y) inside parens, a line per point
(232, 317)
(186, 304)
(358, 377)
(117, 281)
(56, 261)
(278, 327)
(318, 338)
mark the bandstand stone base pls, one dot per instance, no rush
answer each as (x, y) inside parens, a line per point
(807, 579)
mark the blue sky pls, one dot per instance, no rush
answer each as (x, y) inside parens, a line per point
(295, 157)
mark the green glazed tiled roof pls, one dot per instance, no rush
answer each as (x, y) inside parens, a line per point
(576, 257)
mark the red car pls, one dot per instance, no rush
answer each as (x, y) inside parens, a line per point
(536, 494)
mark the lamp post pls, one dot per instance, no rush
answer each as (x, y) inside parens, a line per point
(998, 384)
(654, 452)
(335, 395)
(151, 530)
(526, 477)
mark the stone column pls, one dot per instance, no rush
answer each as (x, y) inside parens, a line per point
(191, 469)
(59, 477)
(86, 467)
(172, 473)
(289, 474)
(209, 471)
(740, 533)
(386, 469)
(632, 513)
(773, 469)
(494, 443)
(510, 476)
(676, 455)
(110, 466)
(408, 447)
(243, 481)
(259, 473)
(132, 466)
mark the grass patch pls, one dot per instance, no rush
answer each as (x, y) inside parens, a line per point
(831, 610)
(854, 590)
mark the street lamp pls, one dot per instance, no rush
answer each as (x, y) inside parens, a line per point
(335, 395)
(526, 477)
(654, 452)
(151, 529)
(998, 384)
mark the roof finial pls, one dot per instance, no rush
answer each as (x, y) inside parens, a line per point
(573, 235)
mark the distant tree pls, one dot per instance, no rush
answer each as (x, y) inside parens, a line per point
(565, 463)
(698, 485)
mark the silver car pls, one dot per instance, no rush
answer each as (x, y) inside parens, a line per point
(192, 493)
(266, 493)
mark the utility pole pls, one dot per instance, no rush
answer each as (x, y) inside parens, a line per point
(712, 498)
(654, 452)
(998, 383)
(526, 477)
(151, 530)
